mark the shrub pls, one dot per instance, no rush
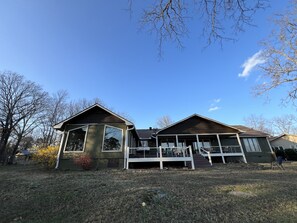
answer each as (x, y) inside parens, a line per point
(291, 154)
(47, 157)
(84, 161)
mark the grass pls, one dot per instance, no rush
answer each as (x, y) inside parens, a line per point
(224, 193)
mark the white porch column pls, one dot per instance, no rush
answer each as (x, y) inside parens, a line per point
(125, 148)
(197, 138)
(157, 141)
(239, 142)
(127, 155)
(269, 145)
(176, 140)
(192, 159)
(60, 150)
(161, 158)
(219, 141)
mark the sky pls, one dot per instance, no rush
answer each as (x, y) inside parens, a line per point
(96, 49)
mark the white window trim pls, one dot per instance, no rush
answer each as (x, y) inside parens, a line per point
(253, 145)
(85, 139)
(112, 151)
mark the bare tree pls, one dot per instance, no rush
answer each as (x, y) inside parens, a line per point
(258, 122)
(280, 53)
(286, 124)
(56, 111)
(220, 20)
(20, 99)
(164, 121)
(79, 105)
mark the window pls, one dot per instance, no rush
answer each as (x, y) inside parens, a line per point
(251, 145)
(113, 138)
(144, 143)
(76, 139)
(167, 144)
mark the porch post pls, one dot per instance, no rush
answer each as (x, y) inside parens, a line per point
(60, 150)
(157, 141)
(197, 138)
(161, 158)
(125, 147)
(176, 140)
(269, 145)
(192, 159)
(127, 155)
(219, 141)
(239, 142)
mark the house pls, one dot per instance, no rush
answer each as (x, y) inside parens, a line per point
(98, 132)
(113, 141)
(284, 141)
(288, 143)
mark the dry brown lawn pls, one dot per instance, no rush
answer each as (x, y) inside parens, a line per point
(223, 193)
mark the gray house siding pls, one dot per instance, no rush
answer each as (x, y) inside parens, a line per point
(258, 157)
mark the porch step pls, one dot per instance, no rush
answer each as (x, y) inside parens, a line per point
(200, 161)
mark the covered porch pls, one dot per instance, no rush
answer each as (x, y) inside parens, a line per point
(219, 147)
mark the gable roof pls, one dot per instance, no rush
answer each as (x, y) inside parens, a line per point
(60, 124)
(250, 132)
(199, 116)
(276, 137)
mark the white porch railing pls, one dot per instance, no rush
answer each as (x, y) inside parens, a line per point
(208, 155)
(159, 154)
(225, 149)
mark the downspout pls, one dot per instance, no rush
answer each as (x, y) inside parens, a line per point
(126, 146)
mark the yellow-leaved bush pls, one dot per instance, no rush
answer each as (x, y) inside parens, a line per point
(47, 157)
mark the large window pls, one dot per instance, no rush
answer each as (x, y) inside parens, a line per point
(76, 139)
(252, 145)
(113, 139)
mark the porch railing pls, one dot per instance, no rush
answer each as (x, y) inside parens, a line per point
(159, 154)
(208, 155)
(154, 152)
(225, 149)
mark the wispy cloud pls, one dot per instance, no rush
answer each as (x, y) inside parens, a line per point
(251, 63)
(214, 106)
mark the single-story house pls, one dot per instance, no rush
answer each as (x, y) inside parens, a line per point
(284, 141)
(113, 141)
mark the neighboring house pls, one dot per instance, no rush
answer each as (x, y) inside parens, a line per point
(284, 141)
(113, 141)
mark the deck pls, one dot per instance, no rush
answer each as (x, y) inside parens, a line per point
(159, 154)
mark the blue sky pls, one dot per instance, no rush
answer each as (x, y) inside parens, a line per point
(94, 49)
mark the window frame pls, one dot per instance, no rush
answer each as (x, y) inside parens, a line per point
(85, 139)
(103, 140)
(252, 145)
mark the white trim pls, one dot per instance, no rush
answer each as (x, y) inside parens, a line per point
(220, 146)
(122, 143)
(60, 150)
(162, 159)
(60, 124)
(199, 116)
(206, 134)
(85, 139)
(269, 145)
(240, 145)
(252, 145)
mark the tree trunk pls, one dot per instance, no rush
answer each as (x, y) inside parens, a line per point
(15, 148)
(3, 143)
